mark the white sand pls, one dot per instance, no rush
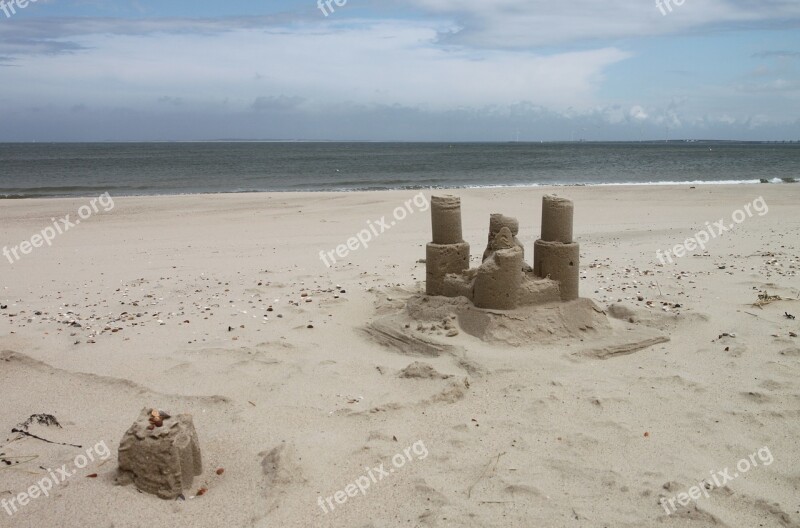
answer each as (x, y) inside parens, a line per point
(530, 435)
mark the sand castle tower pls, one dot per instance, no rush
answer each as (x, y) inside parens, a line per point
(556, 255)
(503, 281)
(498, 279)
(448, 253)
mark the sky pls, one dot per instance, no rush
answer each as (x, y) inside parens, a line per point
(391, 70)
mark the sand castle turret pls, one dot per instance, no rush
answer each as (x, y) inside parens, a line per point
(503, 281)
(556, 255)
(448, 253)
(496, 223)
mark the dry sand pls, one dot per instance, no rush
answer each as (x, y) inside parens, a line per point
(173, 296)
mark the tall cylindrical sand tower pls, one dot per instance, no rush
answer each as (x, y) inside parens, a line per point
(556, 255)
(448, 253)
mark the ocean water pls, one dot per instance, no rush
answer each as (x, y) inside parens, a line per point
(83, 169)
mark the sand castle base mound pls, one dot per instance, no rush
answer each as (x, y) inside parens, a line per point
(544, 323)
(427, 325)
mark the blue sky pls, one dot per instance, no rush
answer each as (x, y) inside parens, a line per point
(428, 70)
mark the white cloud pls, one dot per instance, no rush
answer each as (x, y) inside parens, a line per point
(369, 62)
(524, 23)
(637, 113)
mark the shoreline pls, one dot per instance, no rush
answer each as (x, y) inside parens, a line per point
(423, 189)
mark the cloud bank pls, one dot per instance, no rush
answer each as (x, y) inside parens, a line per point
(444, 70)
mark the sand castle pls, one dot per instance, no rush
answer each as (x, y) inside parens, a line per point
(160, 454)
(503, 281)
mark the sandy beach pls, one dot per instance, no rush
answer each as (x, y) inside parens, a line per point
(222, 307)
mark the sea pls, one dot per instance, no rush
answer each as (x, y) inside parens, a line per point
(30, 170)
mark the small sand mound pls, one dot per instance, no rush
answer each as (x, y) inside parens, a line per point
(454, 392)
(623, 312)
(420, 370)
